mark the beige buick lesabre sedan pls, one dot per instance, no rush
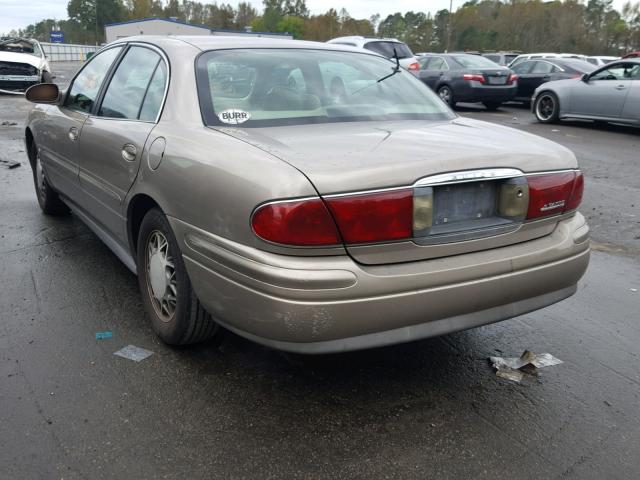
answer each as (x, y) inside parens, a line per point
(310, 197)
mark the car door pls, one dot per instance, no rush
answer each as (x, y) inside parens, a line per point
(604, 92)
(433, 71)
(62, 128)
(114, 136)
(525, 78)
(631, 110)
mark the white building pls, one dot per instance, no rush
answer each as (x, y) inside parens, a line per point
(171, 26)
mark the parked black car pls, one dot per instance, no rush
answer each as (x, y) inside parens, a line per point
(533, 73)
(468, 78)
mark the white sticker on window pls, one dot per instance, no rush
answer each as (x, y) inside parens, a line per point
(234, 116)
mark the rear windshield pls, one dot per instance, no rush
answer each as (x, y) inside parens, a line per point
(386, 49)
(474, 61)
(268, 87)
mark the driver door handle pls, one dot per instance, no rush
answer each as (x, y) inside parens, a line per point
(129, 152)
(73, 134)
(621, 87)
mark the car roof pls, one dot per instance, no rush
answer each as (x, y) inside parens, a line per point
(358, 38)
(215, 42)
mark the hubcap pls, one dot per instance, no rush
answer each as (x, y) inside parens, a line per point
(445, 94)
(161, 276)
(546, 107)
(40, 182)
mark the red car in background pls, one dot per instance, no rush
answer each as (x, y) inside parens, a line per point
(632, 54)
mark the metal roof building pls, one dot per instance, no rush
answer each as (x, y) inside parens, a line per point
(172, 26)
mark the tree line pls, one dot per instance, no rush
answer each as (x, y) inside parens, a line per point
(590, 27)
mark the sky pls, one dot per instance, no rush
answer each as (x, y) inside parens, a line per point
(20, 13)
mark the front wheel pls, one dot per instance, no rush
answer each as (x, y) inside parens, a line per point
(547, 108)
(175, 312)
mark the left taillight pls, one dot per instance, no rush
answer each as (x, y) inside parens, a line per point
(473, 77)
(415, 66)
(513, 78)
(305, 223)
(359, 218)
(554, 193)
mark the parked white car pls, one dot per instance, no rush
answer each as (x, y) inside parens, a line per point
(22, 64)
(529, 56)
(384, 47)
(601, 60)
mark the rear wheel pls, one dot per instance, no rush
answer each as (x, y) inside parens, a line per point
(176, 314)
(48, 199)
(547, 108)
(446, 95)
(492, 105)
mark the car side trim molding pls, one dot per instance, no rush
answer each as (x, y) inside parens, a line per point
(118, 250)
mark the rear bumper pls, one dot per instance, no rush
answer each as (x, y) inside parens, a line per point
(476, 92)
(331, 304)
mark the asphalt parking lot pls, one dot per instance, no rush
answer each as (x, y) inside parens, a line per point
(71, 409)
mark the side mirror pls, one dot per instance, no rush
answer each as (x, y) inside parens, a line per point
(585, 78)
(43, 93)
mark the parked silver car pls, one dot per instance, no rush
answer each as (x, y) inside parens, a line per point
(610, 93)
(304, 195)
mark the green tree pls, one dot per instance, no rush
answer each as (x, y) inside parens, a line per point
(94, 14)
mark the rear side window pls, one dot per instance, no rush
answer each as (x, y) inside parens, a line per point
(386, 49)
(129, 84)
(437, 63)
(543, 67)
(86, 85)
(155, 94)
(522, 67)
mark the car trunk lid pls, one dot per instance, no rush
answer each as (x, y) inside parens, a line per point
(342, 159)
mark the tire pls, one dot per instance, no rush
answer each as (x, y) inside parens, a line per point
(178, 317)
(46, 77)
(48, 199)
(492, 106)
(446, 95)
(547, 108)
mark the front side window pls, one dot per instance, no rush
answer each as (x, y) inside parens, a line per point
(621, 71)
(128, 87)
(86, 85)
(267, 87)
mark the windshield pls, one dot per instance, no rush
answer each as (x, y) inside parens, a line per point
(474, 61)
(268, 87)
(386, 49)
(20, 45)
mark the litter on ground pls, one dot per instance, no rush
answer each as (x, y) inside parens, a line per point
(515, 368)
(10, 163)
(103, 335)
(131, 352)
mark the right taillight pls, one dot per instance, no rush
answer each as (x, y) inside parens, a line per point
(554, 193)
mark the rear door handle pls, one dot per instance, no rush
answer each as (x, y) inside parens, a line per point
(621, 87)
(73, 134)
(129, 152)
